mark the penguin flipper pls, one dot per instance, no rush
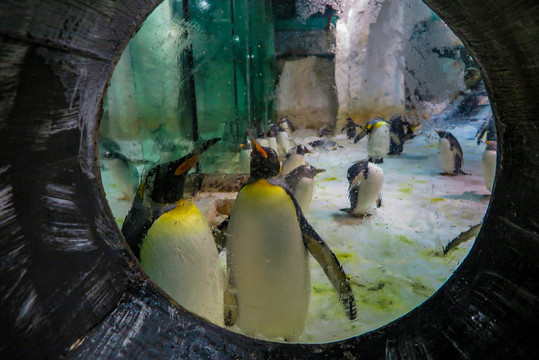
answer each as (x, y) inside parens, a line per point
(462, 237)
(360, 136)
(331, 266)
(352, 196)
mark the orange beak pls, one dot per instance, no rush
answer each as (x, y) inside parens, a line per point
(257, 145)
(186, 165)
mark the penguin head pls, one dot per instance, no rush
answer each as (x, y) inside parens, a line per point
(245, 146)
(442, 134)
(308, 171)
(264, 161)
(164, 183)
(491, 145)
(302, 150)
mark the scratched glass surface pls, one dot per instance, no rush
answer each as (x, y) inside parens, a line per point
(349, 80)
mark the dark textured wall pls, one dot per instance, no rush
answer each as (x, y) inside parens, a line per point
(69, 287)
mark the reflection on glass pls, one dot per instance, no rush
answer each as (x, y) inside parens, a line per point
(375, 113)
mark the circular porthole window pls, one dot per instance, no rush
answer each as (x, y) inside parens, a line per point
(378, 125)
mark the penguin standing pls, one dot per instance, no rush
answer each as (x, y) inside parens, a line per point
(286, 125)
(488, 130)
(295, 158)
(450, 154)
(158, 192)
(245, 157)
(283, 140)
(267, 257)
(350, 128)
(178, 251)
(488, 164)
(301, 184)
(365, 180)
(272, 140)
(399, 131)
(378, 143)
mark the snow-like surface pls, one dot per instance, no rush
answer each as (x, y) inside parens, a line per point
(393, 257)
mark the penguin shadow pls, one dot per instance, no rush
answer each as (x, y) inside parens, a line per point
(409, 156)
(470, 195)
(343, 218)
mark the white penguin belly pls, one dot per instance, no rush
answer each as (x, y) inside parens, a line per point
(180, 256)
(446, 157)
(268, 263)
(488, 166)
(284, 141)
(303, 192)
(378, 142)
(293, 161)
(370, 190)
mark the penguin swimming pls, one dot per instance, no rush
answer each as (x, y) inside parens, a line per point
(450, 154)
(488, 164)
(301, 184)
(399, 131)
(378, 143)
(245, 157)
(365, 180)
(350, 128)
(295, 158)
(268, 247)
(160, 190)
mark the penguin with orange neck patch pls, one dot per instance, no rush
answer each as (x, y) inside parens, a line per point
(268, 246)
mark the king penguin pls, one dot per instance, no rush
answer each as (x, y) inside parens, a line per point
(295, 158)
(488, 164)
(378, 143)
(301, 183)
(486, 130)
(365, 180)
(450, 154)
(268, 247)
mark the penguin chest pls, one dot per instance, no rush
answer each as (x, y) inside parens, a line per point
(303, 192)
(370, 189)
(446, 156)
(179, 254)
(488, 166)
(293, 162)
(245, 161)
(268, 262)
(284, 141)
(378, 143)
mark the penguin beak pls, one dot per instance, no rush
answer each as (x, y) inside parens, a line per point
(257, 145)
(242, 146)
(318, 171)
(186, 165)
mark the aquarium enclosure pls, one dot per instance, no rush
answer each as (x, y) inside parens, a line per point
(383, 138)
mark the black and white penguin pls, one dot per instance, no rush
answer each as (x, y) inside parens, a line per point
(283, 141)
(399, 131)
(350, 128)
(123, 172)
(487, 130)
(488, 164)
(366, 181)
(271, 136)
(450, 154)
(158, 192)
(295, 158)
(178, 251)
(301, 183)
(268, 247)
(378, 143)
(286, 125)
(325, 144)
(245, 157)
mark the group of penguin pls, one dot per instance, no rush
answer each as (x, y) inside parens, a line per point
(266, 286)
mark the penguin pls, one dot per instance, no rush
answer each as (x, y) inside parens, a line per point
(399, 131)
(295, 158)
(245, 157)
(301, 183)
(488, 128)
(450, 154)
(325, 144)
(286, 125)
(283, 141)
(378, 143)
(158, 192)
(268, 246)
(366, 181)
(350, 128)
(123, 172)
(488, 164)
